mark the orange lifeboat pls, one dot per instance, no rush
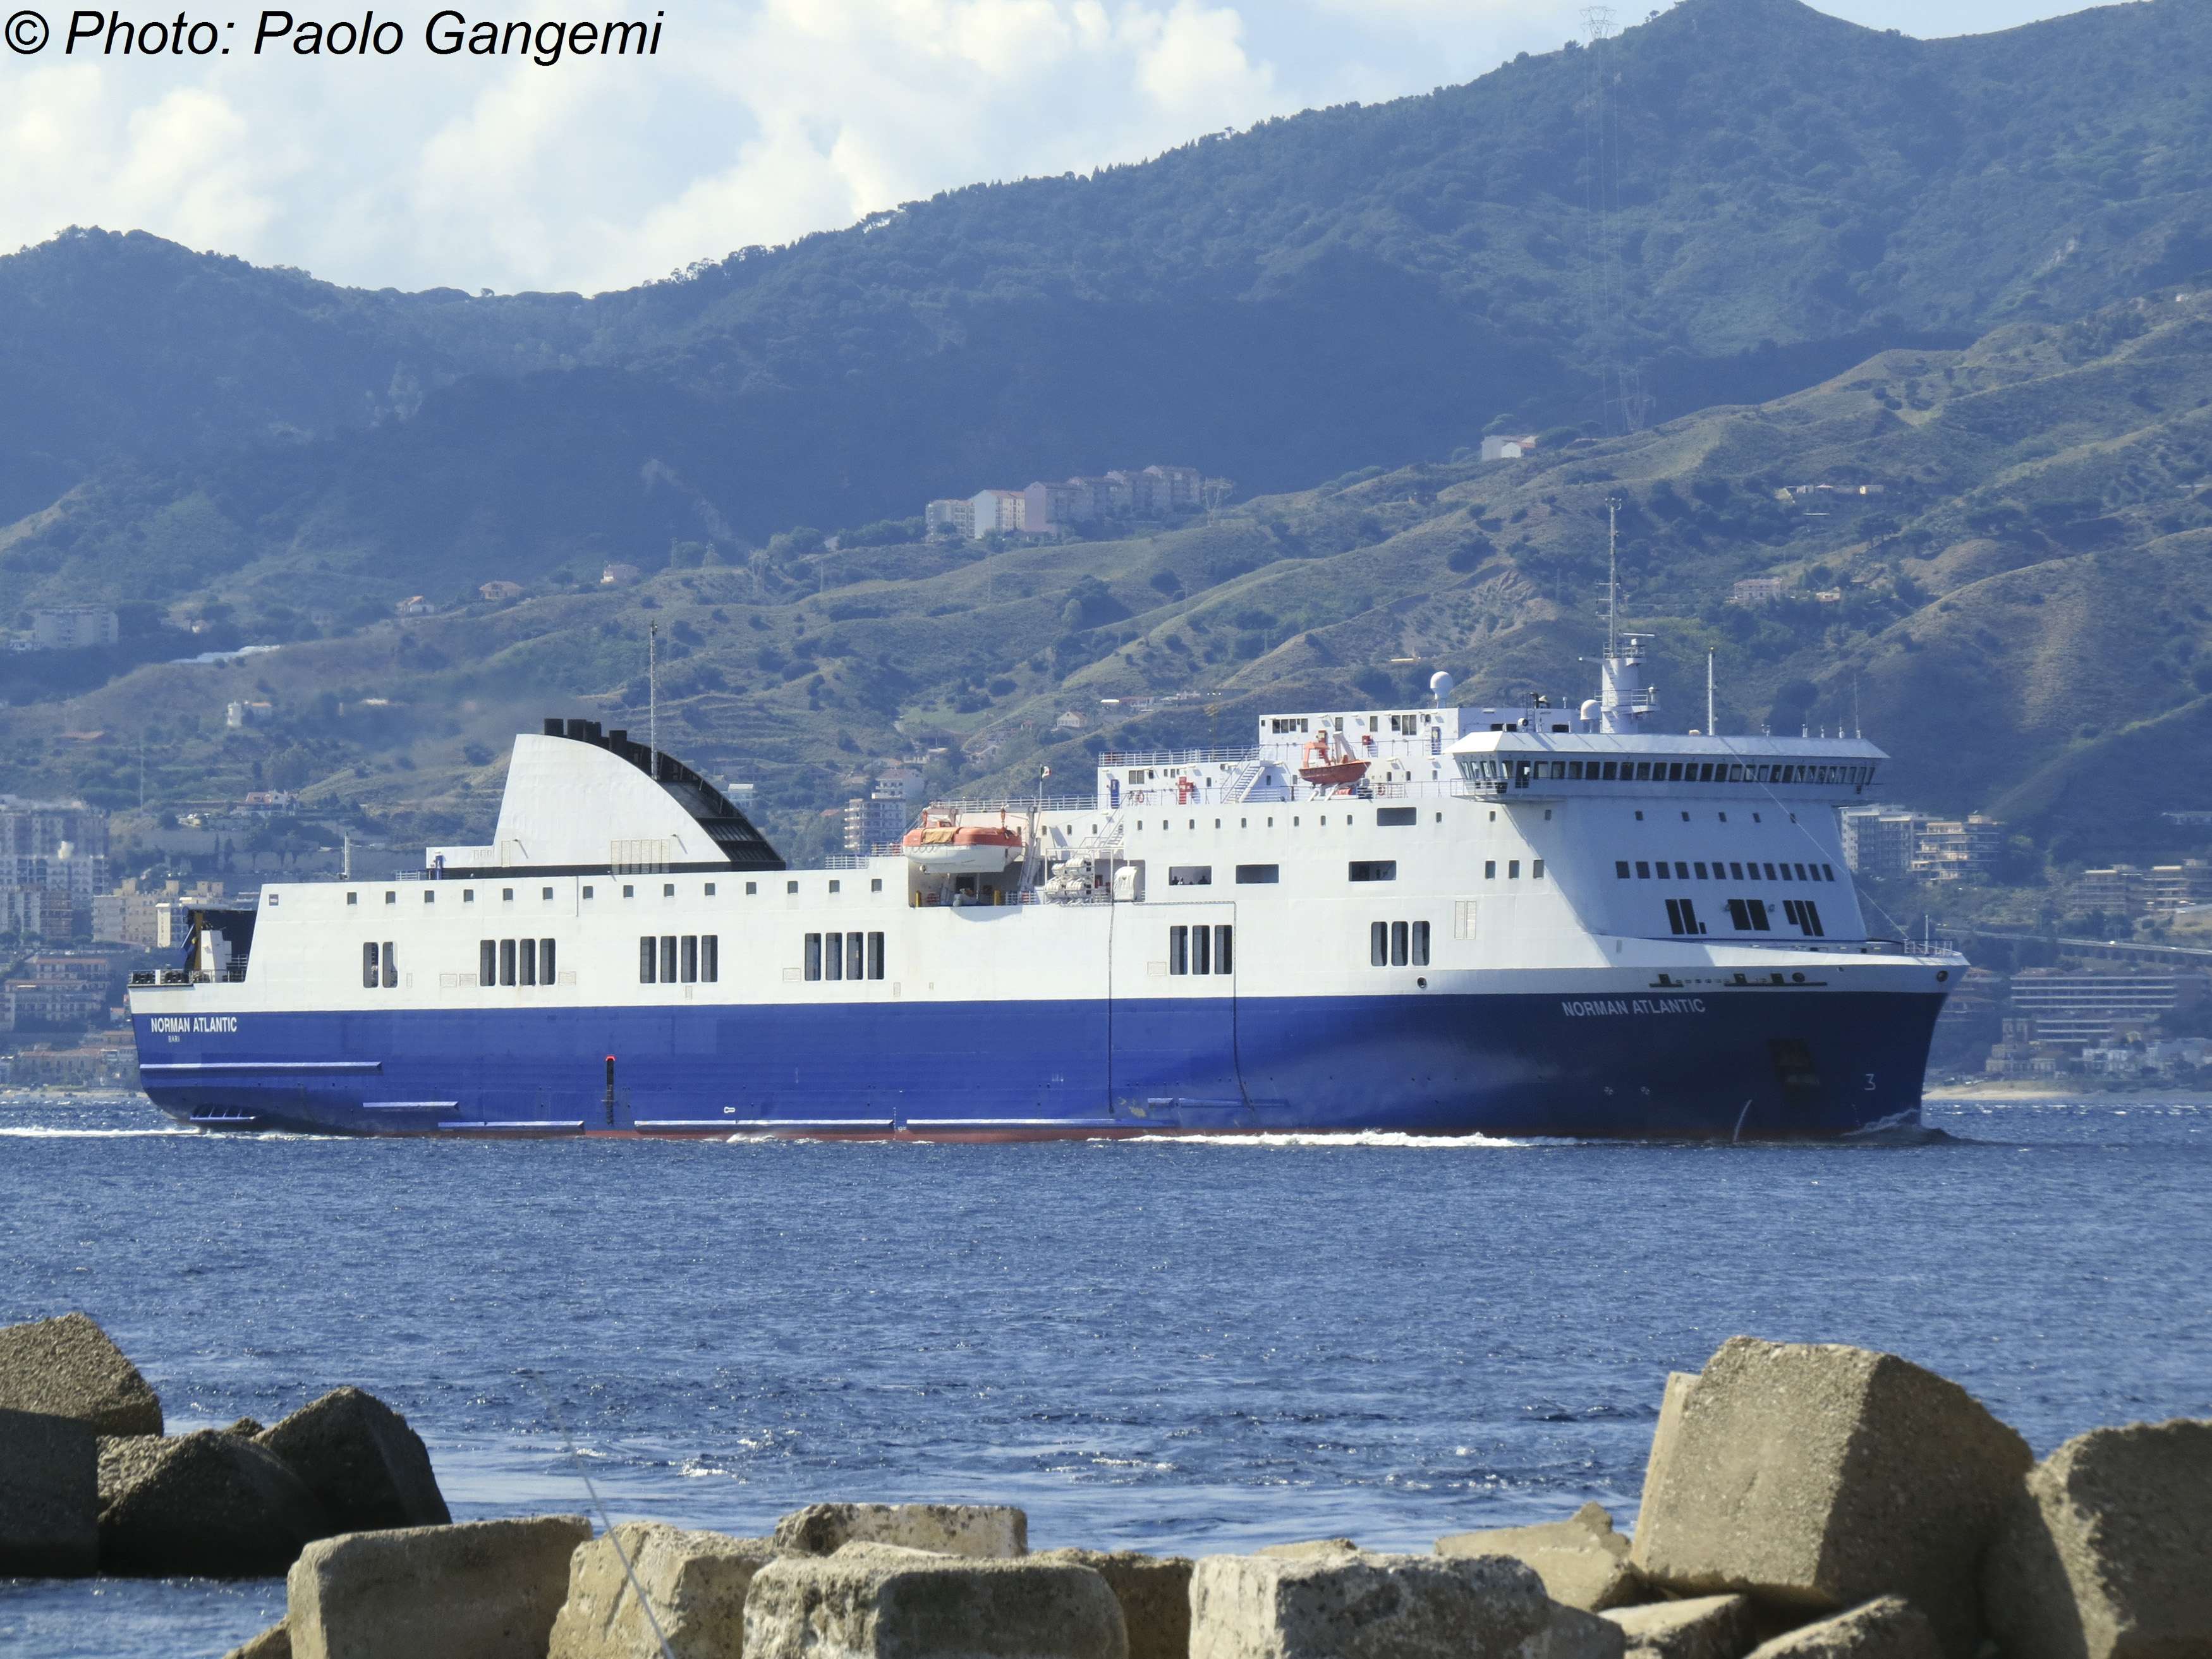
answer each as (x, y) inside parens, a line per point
(1329, 768)
(942, 843)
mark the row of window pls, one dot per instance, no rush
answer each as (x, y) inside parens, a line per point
(671, 959)
(1524, 771)
(1398, 944)
(1513, 869)
(513, 962)
(1722, 869)
(844, 956)
(629, 891)
(1267, 875)
(1201, 951)
(1748, 915)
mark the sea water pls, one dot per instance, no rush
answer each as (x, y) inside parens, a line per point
(1164, 1345)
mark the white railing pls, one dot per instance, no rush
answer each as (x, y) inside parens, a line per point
(1178, 757)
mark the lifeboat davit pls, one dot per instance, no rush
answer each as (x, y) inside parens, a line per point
(962, 849)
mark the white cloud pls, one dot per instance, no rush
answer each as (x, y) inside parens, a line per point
(758, 121)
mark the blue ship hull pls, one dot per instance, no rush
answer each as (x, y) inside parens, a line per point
(1757, 1063)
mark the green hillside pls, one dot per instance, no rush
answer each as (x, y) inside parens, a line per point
(2022, 615)
(1767, 193)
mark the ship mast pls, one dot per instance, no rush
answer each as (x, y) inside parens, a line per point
(653, 695)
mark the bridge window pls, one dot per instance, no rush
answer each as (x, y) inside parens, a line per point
(1388, 816)
(1374, 870)
(1190, 875)
(1258, 875)
(1620, 868)
(1642, 869)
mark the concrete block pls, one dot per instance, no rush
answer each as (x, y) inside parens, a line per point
(694, 1585)
(68, 1367)
(1889, 1627)
(208, 1505)
(1702, 1627)
(1582, 1561)
(2106, 1551)
(367, 1468)
(1821, 1476)
(979, 1529)
(1385, 1607)
(126, 1460)
(1154, 1594)
(48, 1497)
(275, 1643)
(480, 1589)
(879, 1601)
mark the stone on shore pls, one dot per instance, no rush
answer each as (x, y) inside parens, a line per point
(1819, 1476)
(977, 1529)
(1703, 1627)
(275, 1643)
(211, 1505)
(1582, 1561)
(880, 1601)
(480, 1589)
(68, 1367)
(365, 1466)
(48, 1497)
(1310, 1547)
(1889, 1627)
(247, 1426)
(2106, 1551)
(1154, 1594)
(695, 1583)
(1385, 1607)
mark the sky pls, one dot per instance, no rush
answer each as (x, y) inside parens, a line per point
(754, 122)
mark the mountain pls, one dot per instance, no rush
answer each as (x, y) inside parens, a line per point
(1958, 273)
(1994, 558)
(1732, 200)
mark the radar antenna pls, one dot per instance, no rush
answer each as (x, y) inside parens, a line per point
(653, 695)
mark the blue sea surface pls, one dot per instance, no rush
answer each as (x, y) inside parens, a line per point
(1166, 1346)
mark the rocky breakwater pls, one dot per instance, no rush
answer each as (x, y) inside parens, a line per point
(90, 1483)
(1801, 1502)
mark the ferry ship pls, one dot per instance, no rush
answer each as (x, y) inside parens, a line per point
(1530, 921)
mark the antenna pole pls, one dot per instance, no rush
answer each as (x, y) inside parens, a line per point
(653, 695)
(1711, 729)
(1613, 579)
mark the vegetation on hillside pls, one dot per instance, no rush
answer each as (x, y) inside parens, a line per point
(2020, 609)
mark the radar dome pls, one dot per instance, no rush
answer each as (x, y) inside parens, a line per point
(1440, 686)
